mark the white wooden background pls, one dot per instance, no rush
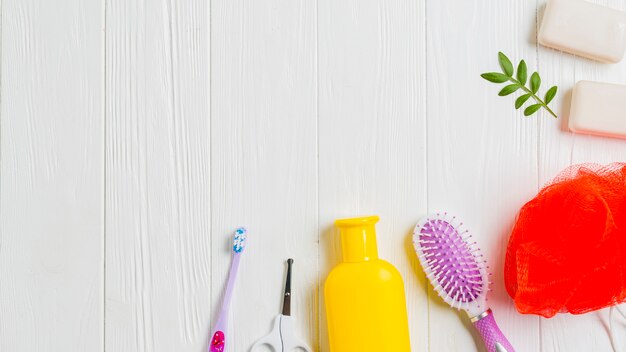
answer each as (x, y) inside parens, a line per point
(136, 135)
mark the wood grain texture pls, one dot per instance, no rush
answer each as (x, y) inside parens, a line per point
(51, 185)
(135, 136)
(158, 255)
(482, 154)
(558, 148)
(372, 131)
(264, 163)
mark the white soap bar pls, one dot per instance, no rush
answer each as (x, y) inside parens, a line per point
(584, 29)
(598, 108)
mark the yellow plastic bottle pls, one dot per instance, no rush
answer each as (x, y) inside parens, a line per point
(365, 301)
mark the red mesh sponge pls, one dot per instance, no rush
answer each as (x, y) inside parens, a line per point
(567, 252)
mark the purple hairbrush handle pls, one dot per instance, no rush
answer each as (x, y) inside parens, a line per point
(490, 332)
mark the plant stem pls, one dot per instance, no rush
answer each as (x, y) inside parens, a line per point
(533, 95)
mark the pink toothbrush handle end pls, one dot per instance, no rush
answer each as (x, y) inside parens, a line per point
(217, 342)
(494, 339)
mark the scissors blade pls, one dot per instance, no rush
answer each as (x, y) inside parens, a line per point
(287, 296)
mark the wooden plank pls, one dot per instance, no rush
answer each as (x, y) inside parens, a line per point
(372, 127)
(51, 204)
(482, 154)
(558, 148)
(158, 176)
(264, 162)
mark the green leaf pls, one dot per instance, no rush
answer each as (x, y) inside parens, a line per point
(505, 64)
(495, 77)
(550, 95)
(511, 88)
(522, 73)
(532, 109)
(516, 80)
(521, 100)
(535, 82)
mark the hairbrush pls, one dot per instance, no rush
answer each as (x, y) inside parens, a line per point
(458, 273)
(218, 339)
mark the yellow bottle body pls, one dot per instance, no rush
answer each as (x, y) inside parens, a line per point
(364, 296)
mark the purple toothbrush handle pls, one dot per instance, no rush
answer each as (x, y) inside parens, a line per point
(490, 332)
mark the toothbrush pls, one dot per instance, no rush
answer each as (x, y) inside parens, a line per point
(457, 271)
(218, 339)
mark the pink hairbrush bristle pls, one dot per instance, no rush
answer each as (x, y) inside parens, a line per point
(458, 272)
(452, 263)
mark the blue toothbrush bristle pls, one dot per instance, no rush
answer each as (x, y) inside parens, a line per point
(240, 239)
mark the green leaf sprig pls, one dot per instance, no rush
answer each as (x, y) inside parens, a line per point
(519, 82)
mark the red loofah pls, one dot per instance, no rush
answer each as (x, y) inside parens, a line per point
(567, 252)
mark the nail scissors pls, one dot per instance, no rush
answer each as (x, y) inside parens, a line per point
(282, 337)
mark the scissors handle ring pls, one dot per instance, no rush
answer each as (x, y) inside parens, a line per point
(290, 341)
(272, 339)
(282, 337)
